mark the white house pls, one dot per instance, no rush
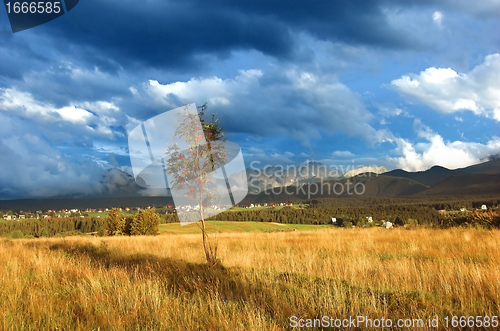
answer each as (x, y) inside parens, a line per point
(369, 219)
(387, 225)
(483, 207)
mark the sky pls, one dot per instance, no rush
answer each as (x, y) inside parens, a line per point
(399, 84)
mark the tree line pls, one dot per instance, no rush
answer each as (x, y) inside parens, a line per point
(144, 222)
(51, 227)
(399, 211)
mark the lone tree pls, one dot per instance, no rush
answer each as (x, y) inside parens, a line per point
(192, 169)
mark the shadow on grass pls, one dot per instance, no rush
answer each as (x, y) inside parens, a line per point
(191, 279)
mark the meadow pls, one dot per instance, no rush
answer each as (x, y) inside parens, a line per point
(214, 227)
(267, 276)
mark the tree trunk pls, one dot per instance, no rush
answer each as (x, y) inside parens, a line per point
(205, 240)
(210, 254)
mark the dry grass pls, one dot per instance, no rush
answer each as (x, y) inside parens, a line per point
(161, 283)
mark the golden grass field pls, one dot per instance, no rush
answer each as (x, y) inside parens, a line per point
(162, 283)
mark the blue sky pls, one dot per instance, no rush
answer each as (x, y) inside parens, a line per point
(397, 84)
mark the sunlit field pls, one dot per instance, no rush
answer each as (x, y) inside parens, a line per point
(238, 227)
(162, 282)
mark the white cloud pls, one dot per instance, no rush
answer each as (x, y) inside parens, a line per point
(391, 111)
(23, 103)
(41, 170)
(436, 151)
(437, 17)
(447, 91)
(343, 154)
(32, 166)
(266, 158)
(48, 150)
(132, 123)
(90, 119)
(293, 102)
(214, 89)
(100, 107)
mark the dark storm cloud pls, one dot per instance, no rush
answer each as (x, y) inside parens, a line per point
(480, 9)
(353, 22)
(178, 35)
(168, 34)
(17, 56)
(173, 34)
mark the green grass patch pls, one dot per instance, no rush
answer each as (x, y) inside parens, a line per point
(237, 227)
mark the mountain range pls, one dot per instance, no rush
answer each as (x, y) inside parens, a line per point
(296, 183)
(480, 179)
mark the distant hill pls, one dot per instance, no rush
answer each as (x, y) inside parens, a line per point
(491, 157)
(438, 174)
(468, 184)
(373, 186)
(491, 167)
(479, 179)
(377, 186)
(430, 177)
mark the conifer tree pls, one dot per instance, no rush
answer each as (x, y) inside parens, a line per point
(146, 222)
(115, 223)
